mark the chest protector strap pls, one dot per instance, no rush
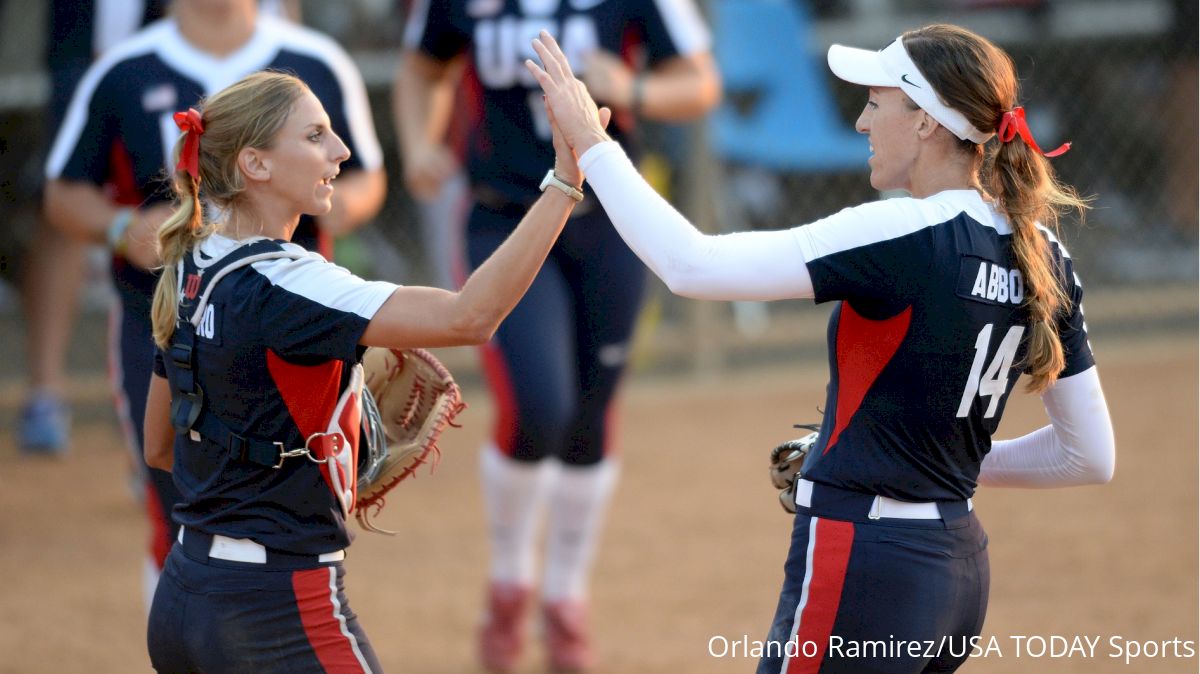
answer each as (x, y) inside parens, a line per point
(335, 448)
(187, 400)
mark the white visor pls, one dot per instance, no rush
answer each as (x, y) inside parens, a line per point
(892, 67)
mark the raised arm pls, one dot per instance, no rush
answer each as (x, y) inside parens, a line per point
(747, 265)
(431, 317)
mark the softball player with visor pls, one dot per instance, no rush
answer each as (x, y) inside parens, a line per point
(258, 349)
(943, 300)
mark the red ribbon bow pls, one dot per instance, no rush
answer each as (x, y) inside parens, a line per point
(1012, 124)
(190, 123)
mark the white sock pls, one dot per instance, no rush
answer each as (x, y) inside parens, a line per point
(578, 502)
(513, 495)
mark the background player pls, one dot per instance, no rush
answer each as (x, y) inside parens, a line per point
(945, 299)
(256, 582)
(554, 367)
(78, 32)
(105, 168)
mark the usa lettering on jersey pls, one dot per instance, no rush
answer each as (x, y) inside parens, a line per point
(986, 281)
(502, 45)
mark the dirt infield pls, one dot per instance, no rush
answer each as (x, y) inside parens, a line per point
(694, 546)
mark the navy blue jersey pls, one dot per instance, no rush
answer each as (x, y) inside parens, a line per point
(119, 130)
(927, 342)
(81, 29)
(274, 350)
(511, 149)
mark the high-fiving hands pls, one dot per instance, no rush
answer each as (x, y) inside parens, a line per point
(574, 117)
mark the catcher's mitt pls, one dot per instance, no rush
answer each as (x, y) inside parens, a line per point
(409, 398)
(786, 460)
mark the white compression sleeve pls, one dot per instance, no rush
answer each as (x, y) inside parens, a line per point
(767, 265)
(1077, 448)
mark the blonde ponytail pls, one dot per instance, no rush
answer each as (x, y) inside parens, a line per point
(179, 234)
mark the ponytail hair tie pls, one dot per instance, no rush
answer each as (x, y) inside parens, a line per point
(192, 124)
(1012, 124)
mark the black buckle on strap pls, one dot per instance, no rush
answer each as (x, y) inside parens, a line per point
(181, 355)
(183, 344)
(186, 408)
(256, 451)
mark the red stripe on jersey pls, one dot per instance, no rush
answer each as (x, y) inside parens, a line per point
(631, 52)
(160, 528)
(309, 391)
(504, 433)
(467, 132)
(864, 348)
(324, 624)
(468, 112)
(831, 541)
(122, 181)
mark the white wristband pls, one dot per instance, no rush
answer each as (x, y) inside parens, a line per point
(116, 228)
(552, 180)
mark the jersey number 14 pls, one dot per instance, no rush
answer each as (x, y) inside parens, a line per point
(993, 381)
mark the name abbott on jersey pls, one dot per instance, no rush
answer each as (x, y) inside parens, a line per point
(986, 281)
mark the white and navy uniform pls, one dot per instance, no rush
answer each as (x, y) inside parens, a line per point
(255, 581)
(925, 344)
(119, 133)
(554, 365)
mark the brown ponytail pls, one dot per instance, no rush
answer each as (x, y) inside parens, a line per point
(1028, 193)
(248, 113)
(978, 79)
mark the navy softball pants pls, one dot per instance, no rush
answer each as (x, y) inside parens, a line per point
(859, 593)
(555, 362)
(215, 616)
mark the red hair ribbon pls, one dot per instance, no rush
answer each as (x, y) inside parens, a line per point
(190, 123)
(1012, 124)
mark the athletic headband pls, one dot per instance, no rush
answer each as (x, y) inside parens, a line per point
(192, 124)
(892, 67)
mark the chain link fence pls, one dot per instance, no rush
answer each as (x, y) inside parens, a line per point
(1125, 95)
(1118, 79)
